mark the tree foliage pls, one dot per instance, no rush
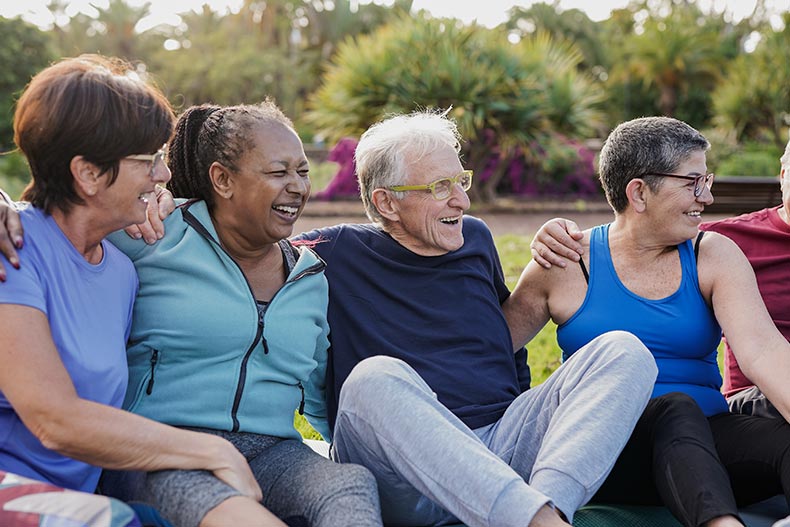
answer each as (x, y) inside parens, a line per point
(112, 31)
(754, 101)
(570, 25)
(669, 55)
(24, 50)
(543, 80)
(502, 95)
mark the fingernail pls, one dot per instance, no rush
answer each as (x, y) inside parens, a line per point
(137, 235)
(2, 277)
(15, 263)
(18, 243)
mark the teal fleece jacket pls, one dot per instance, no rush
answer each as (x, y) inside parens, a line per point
(198, 354)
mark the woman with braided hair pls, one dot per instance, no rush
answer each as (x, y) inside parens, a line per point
(230, 334)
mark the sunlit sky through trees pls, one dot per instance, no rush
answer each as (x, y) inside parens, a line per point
(488, 12)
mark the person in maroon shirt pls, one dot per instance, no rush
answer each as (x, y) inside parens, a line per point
(764, 237)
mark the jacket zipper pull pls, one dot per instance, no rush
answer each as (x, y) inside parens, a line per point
(301, 403)
(263, 338)
(154, 359)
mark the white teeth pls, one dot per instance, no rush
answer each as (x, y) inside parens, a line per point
(450, 221)
(143, 198)
(286, 209)
(696, 214)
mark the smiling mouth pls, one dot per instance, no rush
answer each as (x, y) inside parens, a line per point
(451, 220)
(694, 214)
(285, 209)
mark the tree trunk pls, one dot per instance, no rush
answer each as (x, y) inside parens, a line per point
(668, 100)
(489, 189)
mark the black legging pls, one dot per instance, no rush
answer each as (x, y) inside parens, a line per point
(756, 453)
(700, 468)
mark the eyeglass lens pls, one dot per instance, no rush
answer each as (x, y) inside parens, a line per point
(444, 187)
(702, 181)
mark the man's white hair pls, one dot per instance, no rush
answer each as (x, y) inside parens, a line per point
(785, 159)
(388, 148)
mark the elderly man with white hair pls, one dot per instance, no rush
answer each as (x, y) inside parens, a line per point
(428, 392)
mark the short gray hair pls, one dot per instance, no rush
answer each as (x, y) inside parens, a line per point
(388, 147)
(641, 147)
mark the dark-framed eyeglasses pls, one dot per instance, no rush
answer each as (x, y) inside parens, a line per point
(441, 188)
(159, 155)
(701, 181)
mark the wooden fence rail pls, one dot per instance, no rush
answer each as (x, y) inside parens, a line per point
(739, 194)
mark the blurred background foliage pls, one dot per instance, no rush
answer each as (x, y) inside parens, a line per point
(533, 97)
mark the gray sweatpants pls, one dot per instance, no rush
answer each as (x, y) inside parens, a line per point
(555, 444)
(302, 488)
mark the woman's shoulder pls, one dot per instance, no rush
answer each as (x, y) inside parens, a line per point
(40, 228)
(174, 227)
(38, 236)
(720, 258)
(32, 217)
(714, 244)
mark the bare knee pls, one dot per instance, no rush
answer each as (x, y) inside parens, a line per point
(240, 510)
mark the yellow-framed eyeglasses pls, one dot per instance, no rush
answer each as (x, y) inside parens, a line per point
(441, 188)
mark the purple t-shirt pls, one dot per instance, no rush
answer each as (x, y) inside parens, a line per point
(89, 310)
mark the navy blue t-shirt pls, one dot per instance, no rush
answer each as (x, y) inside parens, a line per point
(440, 314)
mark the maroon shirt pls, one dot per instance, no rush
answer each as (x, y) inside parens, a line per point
(765, 240)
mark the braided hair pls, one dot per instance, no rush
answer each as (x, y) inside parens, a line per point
(208, 133)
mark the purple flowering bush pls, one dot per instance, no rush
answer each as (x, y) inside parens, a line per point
(556, 167)
(344, 183)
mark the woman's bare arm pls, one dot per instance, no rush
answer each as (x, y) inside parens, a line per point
(728, 282)
(527, 308)
(36, 383)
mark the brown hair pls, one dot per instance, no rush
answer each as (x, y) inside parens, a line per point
(90, 106)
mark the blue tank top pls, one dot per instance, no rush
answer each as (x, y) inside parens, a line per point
(680, 330)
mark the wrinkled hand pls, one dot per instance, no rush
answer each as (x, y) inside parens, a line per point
(153, 229)
(236, 472)
(10, 233)
(556, 242)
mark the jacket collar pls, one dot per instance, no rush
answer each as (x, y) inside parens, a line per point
(198, 211)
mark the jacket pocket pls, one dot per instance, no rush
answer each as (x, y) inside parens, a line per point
(146, 385)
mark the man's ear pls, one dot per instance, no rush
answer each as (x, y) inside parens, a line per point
(387, 205)
(221, 179)
(636, 191)
(87, 176)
